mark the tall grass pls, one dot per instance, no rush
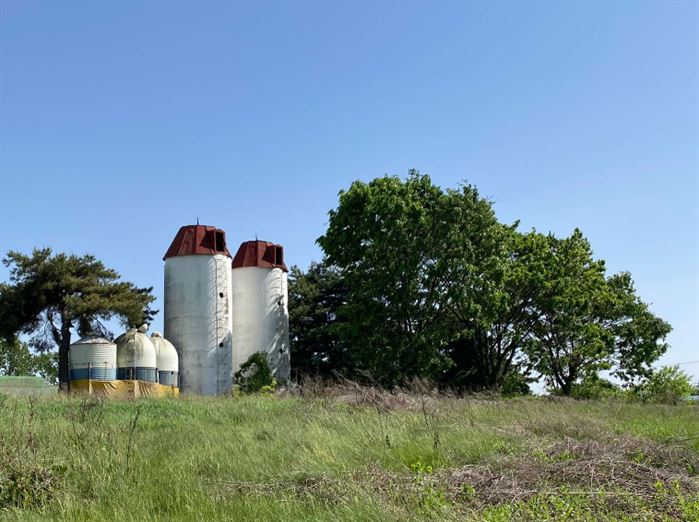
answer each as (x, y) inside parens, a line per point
(267, 458)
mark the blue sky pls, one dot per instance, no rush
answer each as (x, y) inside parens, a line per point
(122, 121)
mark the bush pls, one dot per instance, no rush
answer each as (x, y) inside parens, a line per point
(515, 384)
(595, 388)
(668, 385)
(255, 375)
(26, 484)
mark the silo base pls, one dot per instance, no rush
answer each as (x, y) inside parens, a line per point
(123, 389)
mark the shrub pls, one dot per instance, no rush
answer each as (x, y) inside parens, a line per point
(28, 477)
(26, 484)
(595, 388)
(255, 375)
(515, 384)
(668, 385)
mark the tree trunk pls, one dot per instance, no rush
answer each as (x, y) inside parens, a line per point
(567, 387)
(63, 347)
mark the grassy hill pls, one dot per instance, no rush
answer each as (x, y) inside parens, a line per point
(352, 455)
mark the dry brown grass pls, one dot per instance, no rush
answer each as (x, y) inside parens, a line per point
(561, 454)
(616, 473)
(631, 465)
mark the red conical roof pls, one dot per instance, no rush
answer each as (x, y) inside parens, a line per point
(198, 240)
(262, 254)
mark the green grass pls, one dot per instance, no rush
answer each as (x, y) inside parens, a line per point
(266, 458)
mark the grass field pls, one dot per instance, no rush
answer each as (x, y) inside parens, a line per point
(352, 455)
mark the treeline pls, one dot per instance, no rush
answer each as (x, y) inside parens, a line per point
(421, 282)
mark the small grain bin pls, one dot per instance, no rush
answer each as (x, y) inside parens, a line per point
(260, 306)
(197, 310)
(166, 360)
(93, 358)
(135, 357)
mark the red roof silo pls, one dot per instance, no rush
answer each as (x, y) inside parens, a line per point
(198, 240)
(262, 254)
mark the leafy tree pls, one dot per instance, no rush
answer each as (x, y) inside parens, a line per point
(492, 287)
(424, 270)
(668, 385)
(315, 322)
(594, 387)
(639, 336)
(515, 384)
(17, 358)
(384, 237)
(438, 288)
(46, 366)
(50, 294)
(587, 322)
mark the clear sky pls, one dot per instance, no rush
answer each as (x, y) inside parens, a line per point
(122, 121)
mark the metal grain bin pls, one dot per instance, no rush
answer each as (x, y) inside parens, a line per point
(135, 357)
(93, 358)
(166, 360)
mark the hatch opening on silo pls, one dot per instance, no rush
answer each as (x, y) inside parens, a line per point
(279, 255)
(220, 241)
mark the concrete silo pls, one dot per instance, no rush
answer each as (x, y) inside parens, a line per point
(260, 306)
(198, 308)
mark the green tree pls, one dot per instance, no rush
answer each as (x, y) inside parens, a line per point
(17, 358)
(492, 284)
(315, 321)
(668, 385)
(638, 335)
(595, 388)
(415, 259)
(383, 238)
(587, 322)
(438, 288)
(49, 294)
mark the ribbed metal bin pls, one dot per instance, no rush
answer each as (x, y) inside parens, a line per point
(93, 358)
(168, 378)
(136, 374)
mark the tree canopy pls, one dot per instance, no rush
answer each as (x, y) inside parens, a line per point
(316, 298)
(387, 238)
(588, 322)
(49, 294)
(434, 286)
(17, 358)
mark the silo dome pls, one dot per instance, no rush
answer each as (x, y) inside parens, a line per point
(135, 357)
(261, 306)
(166, 360)
(93, 358)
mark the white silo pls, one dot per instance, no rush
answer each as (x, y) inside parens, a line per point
(261, 306)
(165, 360)
(135, 356)
(93, 358)
(198, 308)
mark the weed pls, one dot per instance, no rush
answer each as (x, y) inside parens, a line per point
(28, 477)
(353, 453)
(132, 429)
